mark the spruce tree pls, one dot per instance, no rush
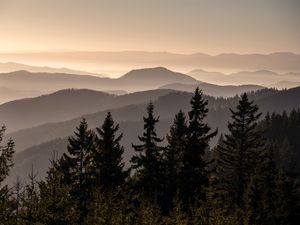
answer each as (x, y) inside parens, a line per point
(30, 201)
(6, 162)
(76, 168)
(56, 206)
(261, 196)
(194, 175)
(17, 200)
(107, 158)
(147, 161)
(254, 201)
(282, 200)
(172, 158)
(268, 171)
(239, 152)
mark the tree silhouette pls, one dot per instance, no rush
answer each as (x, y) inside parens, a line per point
(239, 152)
(147, 161)
(194, 177)
(107, 158)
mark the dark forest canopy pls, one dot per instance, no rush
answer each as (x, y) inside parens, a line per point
(250, 177)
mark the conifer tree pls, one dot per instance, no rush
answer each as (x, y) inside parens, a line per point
(55, 205)
(282, 200)
(107, 158)
(254, 200)
(239, 152)
(147, 161)
(75, 166)
(18, 192)
(268, 171)
(30, 201)
(194, 176)
(172, 158)
(6, 162)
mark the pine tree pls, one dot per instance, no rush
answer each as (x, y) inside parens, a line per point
(282, 200)
(268, 171)
(254, 200)
(6, 162)
(172, 158)
(56, 206)
(30, 201)
(18, 192)
(107, 158)
(147, 162)
(76, 167)
(239, 152)
(194, 176)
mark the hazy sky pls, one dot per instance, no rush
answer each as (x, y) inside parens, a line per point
(183, 26)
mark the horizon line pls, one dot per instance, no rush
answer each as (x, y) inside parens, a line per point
(143, 51)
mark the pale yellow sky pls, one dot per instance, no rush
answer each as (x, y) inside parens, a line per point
(181, 26)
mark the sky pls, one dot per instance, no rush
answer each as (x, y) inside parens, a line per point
(179, 26)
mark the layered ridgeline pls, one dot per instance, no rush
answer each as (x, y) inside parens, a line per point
(22, 83)
(9, 67)
(259, 77)
(279, 61)
(135, 80)
(210, 89)
(36, 145)
(67, 104)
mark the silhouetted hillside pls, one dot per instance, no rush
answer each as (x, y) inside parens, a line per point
(214, 90)
(136, 80)
(260, 77)
(155, 76)
(34, 84)
(65, 105)
(7, 94)
(285, 84)
(12, 66)
(130, 119)
(285, 100)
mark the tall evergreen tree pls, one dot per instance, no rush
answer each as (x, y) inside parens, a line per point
(6, 162)
(239, 152)
(30, 201)
(194, 176)
(261, 196)
(56, 206)
(173, 158)
(282, 200)
(254, 201)
(107, 158)
(75, 166)
(147, 161)
(268, 171)
(17, 200)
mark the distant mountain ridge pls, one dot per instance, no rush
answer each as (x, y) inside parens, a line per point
(9, 67)
(214, 90)
(97, 60)
(65, 105)
(135, 80)
(259, 77)
(156, 76)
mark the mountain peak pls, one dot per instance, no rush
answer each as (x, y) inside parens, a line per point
(156, 73)
(23, 72)
(156, 76)
(145, 70)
